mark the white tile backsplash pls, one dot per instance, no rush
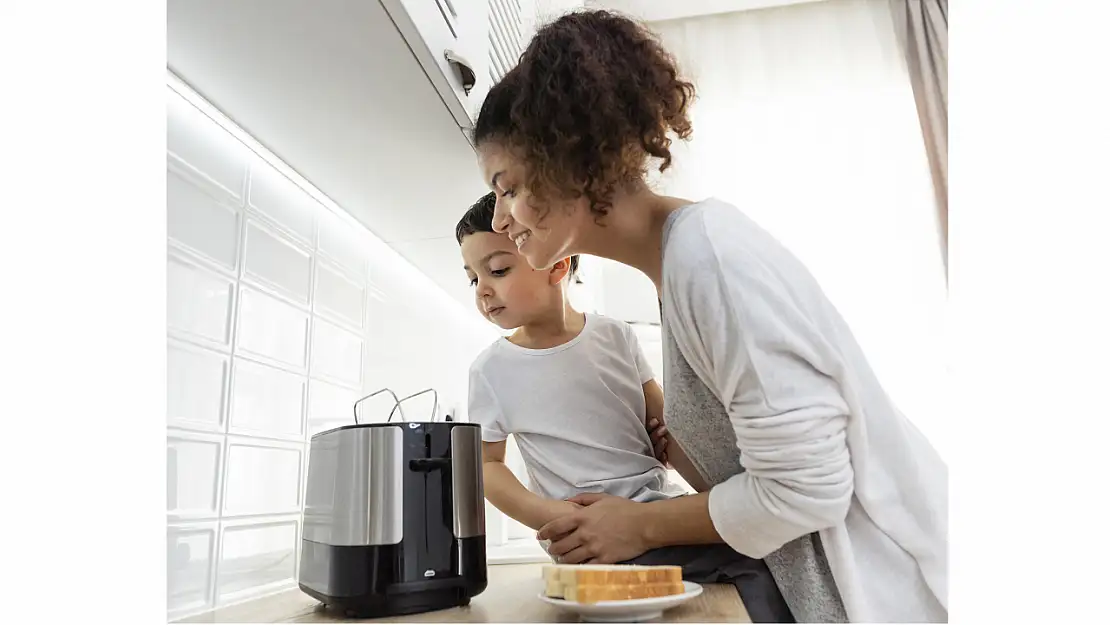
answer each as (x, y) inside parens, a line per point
(198, 301)
(277, 261)
(270, 340)
(205, 146)
(277, 197)
(336, 353)
(192, 475)
(190, 555)
(196, 383)
(261, 479)
(197, 219)
(329, 406)
(256, 557)
(338, 243)
(267, 401)
(272, 328)
(339, 296)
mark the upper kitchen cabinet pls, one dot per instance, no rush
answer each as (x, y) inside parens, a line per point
(363, 98)
(464, 46)
(448, 38)
(333, 89)
(510, 23)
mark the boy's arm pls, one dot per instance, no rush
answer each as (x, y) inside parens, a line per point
(653, 396)
(508, 495)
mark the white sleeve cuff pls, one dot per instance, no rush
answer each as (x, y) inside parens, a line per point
(743, 526)
(493, 436)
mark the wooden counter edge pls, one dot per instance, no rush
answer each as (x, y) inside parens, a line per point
(510, 597)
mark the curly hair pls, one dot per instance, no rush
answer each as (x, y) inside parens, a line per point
(593, 99)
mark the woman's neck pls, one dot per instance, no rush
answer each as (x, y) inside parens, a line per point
(631, 232)
(561, 325)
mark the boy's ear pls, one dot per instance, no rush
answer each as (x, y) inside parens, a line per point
(559, 271)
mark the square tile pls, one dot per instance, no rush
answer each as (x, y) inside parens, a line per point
(196, 382)
(339, 296)
(272, 328)
(336, 353)
(262, 479)
(276, 261)
(267, 401)
(198, 220)
(190, 555)
(255, 557)
(192, 475)
(198, 302)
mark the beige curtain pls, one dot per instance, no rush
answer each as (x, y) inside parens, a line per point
(922, 27)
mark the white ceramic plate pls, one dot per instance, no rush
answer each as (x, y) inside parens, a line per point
(630, 611)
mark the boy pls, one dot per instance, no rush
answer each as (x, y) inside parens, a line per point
(574, 389)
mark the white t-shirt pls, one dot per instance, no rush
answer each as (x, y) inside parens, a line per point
(577, 412)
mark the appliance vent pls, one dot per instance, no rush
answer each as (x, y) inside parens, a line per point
(504, 37)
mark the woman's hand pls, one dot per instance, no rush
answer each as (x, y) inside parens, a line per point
(659, 439)
(606, 530)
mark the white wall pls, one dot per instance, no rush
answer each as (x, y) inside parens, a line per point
(546, 10)
(280, 313)
(662, 10)
(536, 13)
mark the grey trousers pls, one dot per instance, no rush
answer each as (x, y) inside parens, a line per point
(721, 564)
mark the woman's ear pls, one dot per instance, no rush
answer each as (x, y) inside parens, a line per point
(559, 271)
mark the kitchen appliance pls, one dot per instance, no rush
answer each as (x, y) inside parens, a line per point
(394, 517)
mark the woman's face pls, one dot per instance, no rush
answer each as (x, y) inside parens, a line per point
(544, 231)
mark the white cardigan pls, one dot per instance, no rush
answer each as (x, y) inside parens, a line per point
(823, 447)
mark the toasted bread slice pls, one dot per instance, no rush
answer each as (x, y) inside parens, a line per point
(596, 594)
(591, 583)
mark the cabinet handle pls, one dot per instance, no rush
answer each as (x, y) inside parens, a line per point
(463, 70)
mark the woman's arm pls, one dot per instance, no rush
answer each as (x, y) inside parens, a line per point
(653, 396)
(508, 495)
(745, 334)
(798, 480)
(679, 521)
(611, 529)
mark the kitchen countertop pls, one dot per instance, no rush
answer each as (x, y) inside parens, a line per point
(511, 596)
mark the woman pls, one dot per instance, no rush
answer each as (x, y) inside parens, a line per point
(813, 468)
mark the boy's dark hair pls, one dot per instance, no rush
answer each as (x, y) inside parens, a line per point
(594, 99)
(479, 218)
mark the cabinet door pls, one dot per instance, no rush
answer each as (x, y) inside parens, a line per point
(438, 31)
(509, 24)
(512, 23)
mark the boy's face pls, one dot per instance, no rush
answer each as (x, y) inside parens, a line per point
(507, 291)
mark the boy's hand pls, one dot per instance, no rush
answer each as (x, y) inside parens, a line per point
(558, 508)
(658, 433)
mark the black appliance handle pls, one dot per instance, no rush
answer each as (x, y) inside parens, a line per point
(427, 465)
